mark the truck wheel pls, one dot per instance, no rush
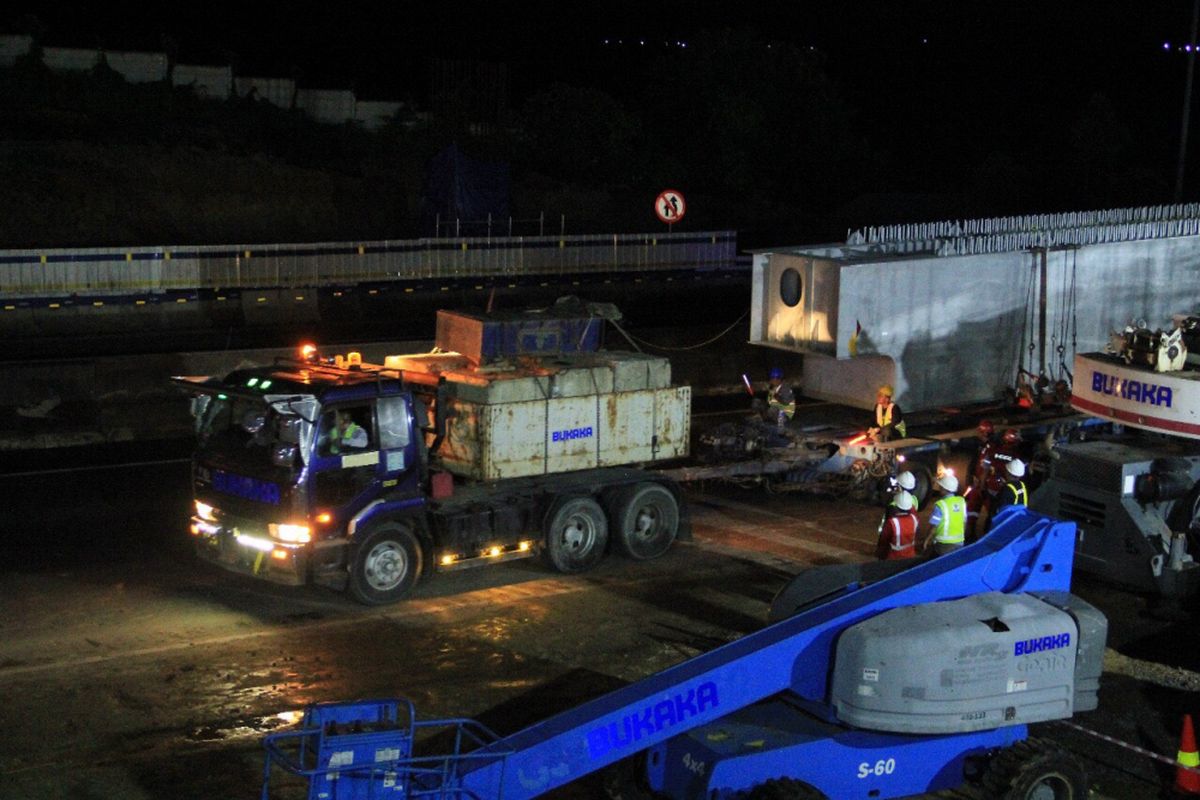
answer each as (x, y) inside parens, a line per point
(924, 483)
(576, 534)
(783, 789)
(647, 519)
(386, 565)
(1035, 769)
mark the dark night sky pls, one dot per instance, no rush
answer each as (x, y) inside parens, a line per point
(382, 43)
(925, 80)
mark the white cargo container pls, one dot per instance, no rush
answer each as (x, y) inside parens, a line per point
(540, 437)
(566, 413)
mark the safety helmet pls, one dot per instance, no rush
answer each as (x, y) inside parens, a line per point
(1016, 468)
(886, 390)
(948, 482)
(1011, 436)
(903, 501)
(906, 481)
(986, 427)
(776, 374)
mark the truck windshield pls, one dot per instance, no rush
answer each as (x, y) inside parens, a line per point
(270, 429)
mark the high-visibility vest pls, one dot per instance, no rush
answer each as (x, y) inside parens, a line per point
(953, 523)
(1020, 495)
(345, 437)
(902, 536)
(774, 402)
(883, 418)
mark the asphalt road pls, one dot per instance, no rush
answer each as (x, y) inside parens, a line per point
(130, 671)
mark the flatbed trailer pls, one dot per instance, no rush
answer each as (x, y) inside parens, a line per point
(833, 457)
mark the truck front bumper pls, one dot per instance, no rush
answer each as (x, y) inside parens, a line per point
(250, 554)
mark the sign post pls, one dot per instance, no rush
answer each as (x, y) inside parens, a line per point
(669, 206)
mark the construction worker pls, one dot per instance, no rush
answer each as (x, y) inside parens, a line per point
(981, 472)
(1003, 454)
(346, 434)
(781, 401)
(889, 421)
(898, 535)
(1013, 493)
(948, 521)
(906, 483)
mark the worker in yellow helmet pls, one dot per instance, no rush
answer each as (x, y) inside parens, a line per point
(889, 420)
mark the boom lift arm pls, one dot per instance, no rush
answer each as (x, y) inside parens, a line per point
(794, 658)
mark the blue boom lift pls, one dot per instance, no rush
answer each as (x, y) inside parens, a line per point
(885, 686)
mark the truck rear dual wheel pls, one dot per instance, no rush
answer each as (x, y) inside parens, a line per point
(386, 565)
(1035, 769)
(646, 520)
(576, 530)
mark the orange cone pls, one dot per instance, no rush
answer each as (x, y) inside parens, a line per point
(1186, 780)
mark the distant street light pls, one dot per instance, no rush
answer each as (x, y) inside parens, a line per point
(1187, 104)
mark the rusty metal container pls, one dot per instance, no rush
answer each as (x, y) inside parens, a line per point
(563, 414)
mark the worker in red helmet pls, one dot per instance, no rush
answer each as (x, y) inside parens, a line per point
(1008, 449)
(981, 472)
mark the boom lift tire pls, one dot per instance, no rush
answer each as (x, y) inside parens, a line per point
(646, 520)
(784, 789)
(1035, 769)
(576, 531)
(386, 565)
(626, 780)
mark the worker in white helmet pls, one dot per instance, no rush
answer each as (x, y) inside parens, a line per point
(948, 521)
(898, 534)
(906, 483)
(1013, 493)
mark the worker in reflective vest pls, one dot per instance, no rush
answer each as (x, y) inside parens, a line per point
(889, 421)
(781, 400)
(948, 522)
(1013, 493)
(898, 536)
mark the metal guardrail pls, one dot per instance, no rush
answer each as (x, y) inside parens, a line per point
(155, 270)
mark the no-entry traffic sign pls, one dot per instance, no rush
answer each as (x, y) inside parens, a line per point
(669, 206)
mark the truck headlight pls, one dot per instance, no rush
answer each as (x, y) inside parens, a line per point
(286, 532)
(205, 512)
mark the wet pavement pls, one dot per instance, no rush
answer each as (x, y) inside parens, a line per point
(130, 671)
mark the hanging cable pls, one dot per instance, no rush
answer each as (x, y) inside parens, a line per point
(634, 340)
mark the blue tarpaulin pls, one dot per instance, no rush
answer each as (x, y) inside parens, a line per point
(458, 187)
